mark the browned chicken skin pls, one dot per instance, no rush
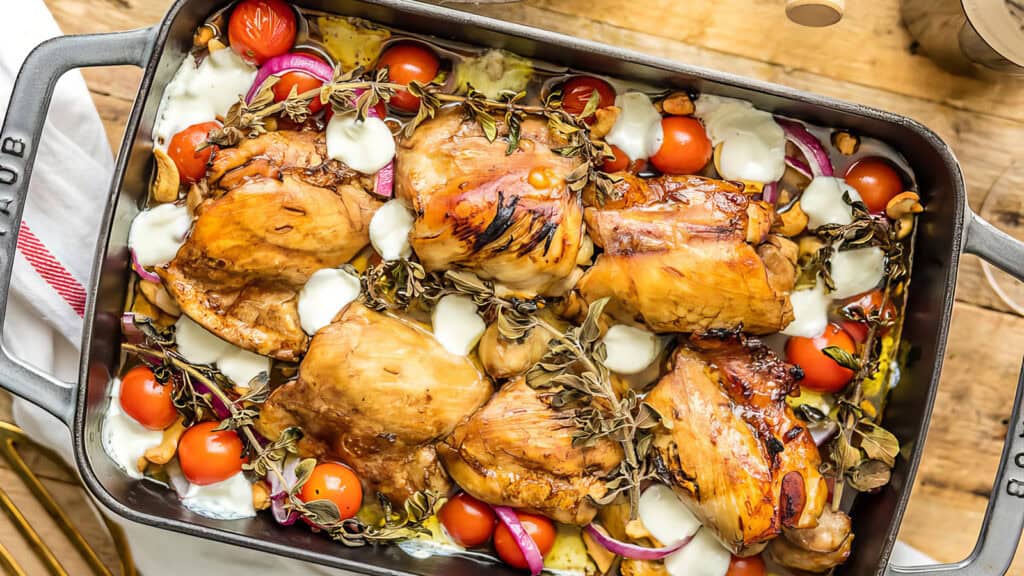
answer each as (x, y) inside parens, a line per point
(509, 218)
(277, 212)
(516, 451)
(689, 254)
(376, 392)
(735, 452)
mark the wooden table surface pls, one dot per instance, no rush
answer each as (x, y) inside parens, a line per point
(867, 58)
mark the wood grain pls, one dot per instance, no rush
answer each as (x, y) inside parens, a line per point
(867, 58)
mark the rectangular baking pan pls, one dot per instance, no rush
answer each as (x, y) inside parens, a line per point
(946, 229)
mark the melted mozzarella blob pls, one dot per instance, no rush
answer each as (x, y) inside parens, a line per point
(637, 130)
(124, 439)
(157, 234)
(753, 144)
(389, 230)
(325, 294)
(229, 499)
(823, 202)
(200, 346)
(810, 312)
(363, 145)
(630, 350)
(456, 324)
(199, 93)
(857, 271)
(665, 516)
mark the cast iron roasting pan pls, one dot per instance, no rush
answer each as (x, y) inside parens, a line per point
(945, 230)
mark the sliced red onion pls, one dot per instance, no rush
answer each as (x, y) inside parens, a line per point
(279, 493)
(770, 192)
(634, 551)
(384, 180)
(219, 408)
(293, 62)
(799, 165)
(534, 559)
(141, 270)
(808, 145)
(131, 332)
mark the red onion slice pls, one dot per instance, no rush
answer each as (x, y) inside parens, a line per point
(770, 192)
(384, 180)
(534, 559)
(808, 145)
(634, 551)
(279, 493)
(294, 62)
(141, 270)
(131, 332)
(799, 165)
(219, 408)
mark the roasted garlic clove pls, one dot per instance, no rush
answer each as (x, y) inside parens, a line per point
(902, 204)
(904, 226)
(260, 495)
(162, 453)
(167, 180)
(808, 247)
(604, 120)
(677, 104)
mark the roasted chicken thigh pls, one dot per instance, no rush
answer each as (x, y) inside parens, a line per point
(509, 218)
(376, 392)
(516, 451)
(277, 210)
(689, 254)
(731, 447)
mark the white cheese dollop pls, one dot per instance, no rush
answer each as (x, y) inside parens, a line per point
(753, 144)
(823, 202)
(229, 499)
(200, 346)
(389, 230)
(124, 439)
(630, 349)
(199, 94)
(857, 271)
(363, 145)
(157, 234)
(665, 516)
(325, 294)
(456, 324)
(810, 312)
(637, 130)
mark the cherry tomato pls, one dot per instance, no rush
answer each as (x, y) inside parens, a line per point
(620, 163)
(869, 302)
(302, 82)
(540, 529)
(208, 456)
(821, 373)
(468, 521)
(752, 566)
(337, 483)
(407, 62)
(685, 149)
(576, 92)
(146, 400)
(183, 151)
(876, 180)
(261, 29)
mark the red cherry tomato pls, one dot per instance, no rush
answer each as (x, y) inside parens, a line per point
(208, 456)
(685, 149)
(337, 483)
(752, 566)
(540, 529)
(183, 151)
(146, 400)
(619, 163)
(869, 302)
(876, 180)
(576, 92)
(407, 62)
(302, 82)
(821, 373)
(468, 521)
(261, 29)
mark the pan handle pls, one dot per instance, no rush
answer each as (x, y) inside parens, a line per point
(1004, 518)
(19, 138)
